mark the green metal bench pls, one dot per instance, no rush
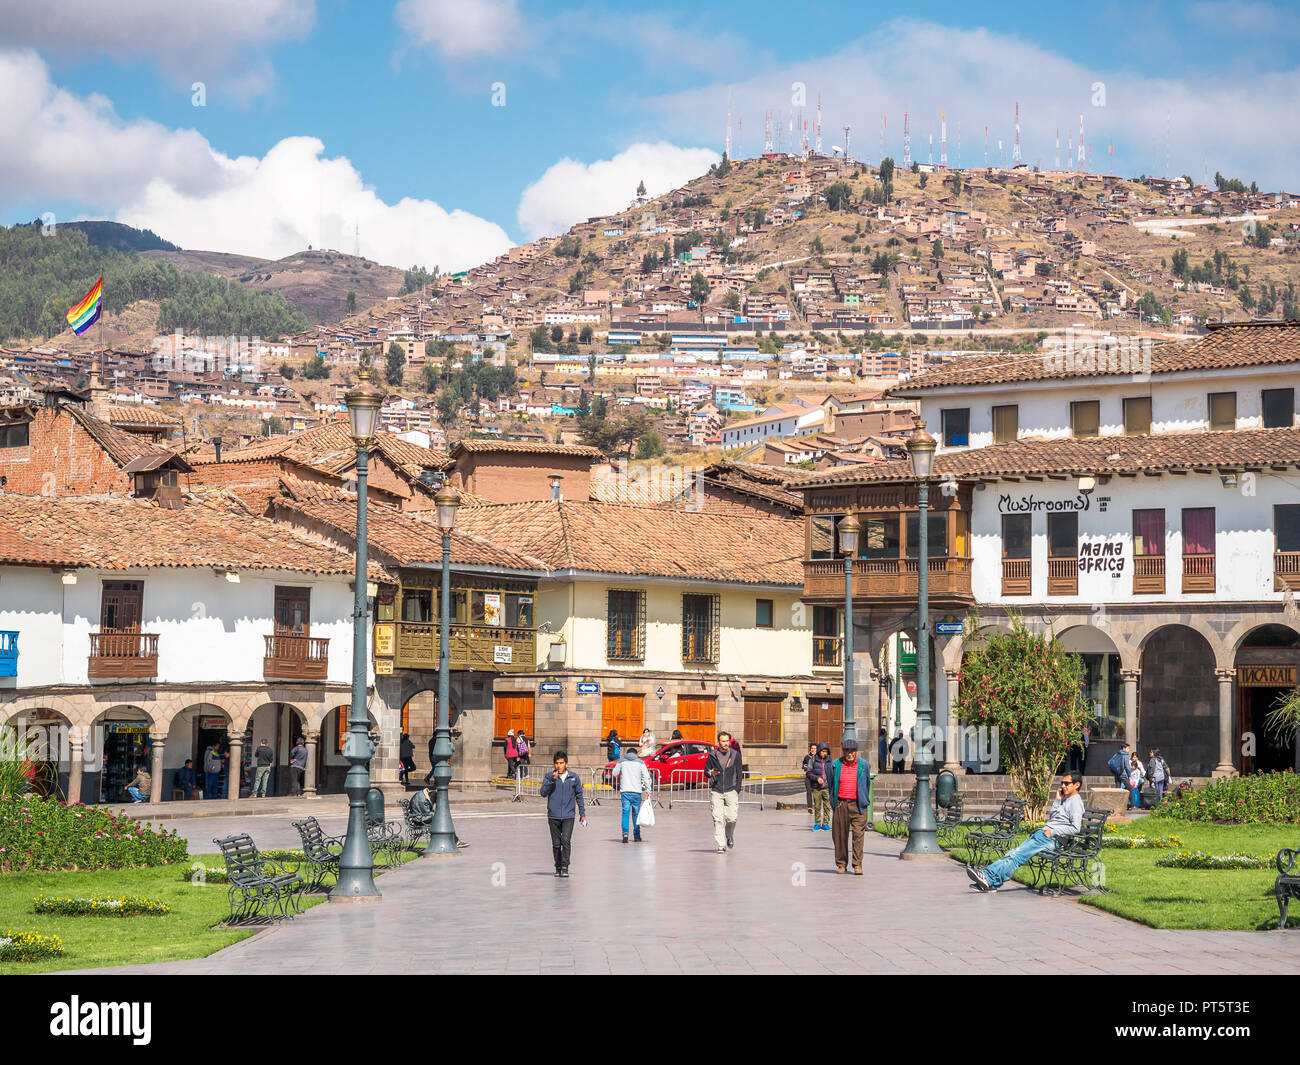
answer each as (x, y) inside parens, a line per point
(416, 828)
(1287, 885)
(319, 859)
(261, 891)
(989, 838)
(1074, 862)
(385, 839)
(897, 813)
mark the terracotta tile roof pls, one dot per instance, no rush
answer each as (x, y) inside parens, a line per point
(116, 533)
(329, 447)
(402, 538)
(1226, 345)
(1156, 453)
(646, 541)
(528, 446)
(764, 482)
(122, 447)
(145, 417)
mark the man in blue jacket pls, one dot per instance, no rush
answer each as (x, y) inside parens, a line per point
(1119, 766)
(850, 788)
(562, 791)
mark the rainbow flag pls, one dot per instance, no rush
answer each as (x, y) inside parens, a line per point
(86, 313)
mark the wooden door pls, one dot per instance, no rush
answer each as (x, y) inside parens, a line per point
(513, 711)
(121, 606)
(292, 611)
(825, 721)
(626, 713)
(697, 717)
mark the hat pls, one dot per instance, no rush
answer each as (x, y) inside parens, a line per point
(849, 745)
(823, 747)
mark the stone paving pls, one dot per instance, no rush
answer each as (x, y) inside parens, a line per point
(773, 905)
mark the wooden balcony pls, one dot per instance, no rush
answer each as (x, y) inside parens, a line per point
(116, 654)
(887, 578)
(1198, 573)
(826, 651)
(1286, 570)
(289, 656)
(1017, 576)
(488, 648)
(1148, 574)
(1062, 576)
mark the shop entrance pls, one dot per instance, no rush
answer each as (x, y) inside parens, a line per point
(126, 749)
(1259, 688)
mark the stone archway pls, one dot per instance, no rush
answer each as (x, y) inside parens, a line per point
(121, 738)
(330, 765)
(1265, 668)
(1104, 690)
(191, 730)
(41, 736)
(1178, 702)
(280, 724)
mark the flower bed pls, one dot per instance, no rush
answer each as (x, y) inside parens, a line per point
(1143, 842)
(1202, 860)
(100, 906)
(45, 835)
(209, 874)
(1259, 799)
(28, 946)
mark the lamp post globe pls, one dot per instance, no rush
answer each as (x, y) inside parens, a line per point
(442, 832)
(922, 829)
(356, 881)
(850, 529)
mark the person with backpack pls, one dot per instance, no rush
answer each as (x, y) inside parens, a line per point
(512, 753)
(612, 746)
(807, 780)
(818, 777)
(1119, 766)
(212, 772)
(1159, 769)
(522, 748)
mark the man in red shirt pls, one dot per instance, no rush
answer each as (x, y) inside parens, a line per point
(850, 788)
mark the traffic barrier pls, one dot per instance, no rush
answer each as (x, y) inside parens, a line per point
(691, 786)
(528, 781)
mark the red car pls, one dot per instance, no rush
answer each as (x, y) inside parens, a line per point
(686, 757)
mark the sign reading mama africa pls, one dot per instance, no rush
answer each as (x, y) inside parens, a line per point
(1029, 503)
(1101, 556)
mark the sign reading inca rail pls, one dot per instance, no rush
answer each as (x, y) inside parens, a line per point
(1266, 676)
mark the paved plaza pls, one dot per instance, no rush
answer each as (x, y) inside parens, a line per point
(773, 905)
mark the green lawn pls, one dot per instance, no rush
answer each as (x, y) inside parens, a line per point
(93, 942)
(1192, 898)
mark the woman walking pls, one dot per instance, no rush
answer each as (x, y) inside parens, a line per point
(512, 753)
(612, 745)
(522, 747)
(406, 753)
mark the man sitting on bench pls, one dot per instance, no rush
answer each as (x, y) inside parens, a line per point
(422, 804)
(1064, 820)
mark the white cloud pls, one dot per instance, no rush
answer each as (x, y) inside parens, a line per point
(293, 197)
(570, 190)
(462, 28)
(1227, 121)
(223, 43)
(56, 145)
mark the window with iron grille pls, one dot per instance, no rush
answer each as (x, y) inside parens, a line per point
(700, 628)
(626, 626)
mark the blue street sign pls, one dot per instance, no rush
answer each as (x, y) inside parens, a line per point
(588, 688)
(549, 687)
(948, 627)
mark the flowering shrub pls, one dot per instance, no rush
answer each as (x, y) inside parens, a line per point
(212, 874)
(1259, 799)
(1143, 842)
(47, 834)
(1024, 687)
(28, 946)
(1202, 860)
(97, 906)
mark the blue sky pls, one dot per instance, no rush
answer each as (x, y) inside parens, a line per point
(322, 118)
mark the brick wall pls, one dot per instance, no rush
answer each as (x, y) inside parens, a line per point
(515, 477)
(62, 459)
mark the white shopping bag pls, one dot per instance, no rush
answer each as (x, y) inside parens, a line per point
(646, 818)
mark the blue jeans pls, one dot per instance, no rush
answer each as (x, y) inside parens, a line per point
(1000, 871)
(211, 785)
(135, 794)
(1159, 785)
(632, 804)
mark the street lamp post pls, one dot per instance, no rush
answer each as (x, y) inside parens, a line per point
(356, 880)
(442, 836)
(849, 530)
(922, 831)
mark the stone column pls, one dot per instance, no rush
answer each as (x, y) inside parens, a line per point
(76, 744)
(234, 766)
(1226, 767)
(310, 738)
(1131, 679)
(156, 770)
(952, 738)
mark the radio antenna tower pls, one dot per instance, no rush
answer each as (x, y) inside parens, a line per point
(847, 156)
(805, 137)
(907, 142)
(1058, 147)
(986, 147)
(943, 139)
(728, 148)
(818, 130)
(1015, 150)
(1083, 158)
(767, 132)
(930, 158)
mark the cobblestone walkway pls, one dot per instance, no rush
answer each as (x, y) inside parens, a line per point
(773, 905)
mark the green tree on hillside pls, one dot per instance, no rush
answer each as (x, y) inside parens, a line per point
(395, 364)
(350, 303)
(838, 196)
(699, 288)
(640, 190)
(649, 446)
(315, 369)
